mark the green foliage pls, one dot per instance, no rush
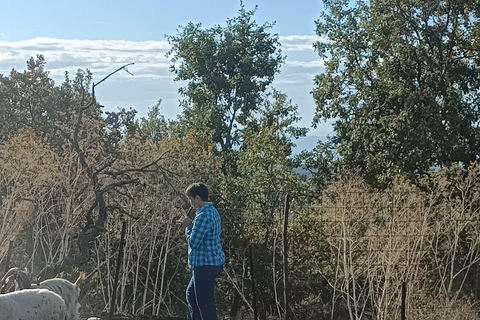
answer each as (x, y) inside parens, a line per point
(322, 163)
(402, 82)
(155, 126)
(276, 119)
(28, 99)
(265, 170)
(56, 113)
(227, 69)
(265, 159)
(119, 124)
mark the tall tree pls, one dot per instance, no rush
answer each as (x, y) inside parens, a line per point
(266, 170)
(266, 162)
(155, 126)
(30, 99)
(227, 69)
(401, 82)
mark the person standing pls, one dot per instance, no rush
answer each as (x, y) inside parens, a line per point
(205, 254)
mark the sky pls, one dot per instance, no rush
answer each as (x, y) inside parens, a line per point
(104, 35)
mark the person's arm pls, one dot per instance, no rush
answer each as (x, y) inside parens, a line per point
(197, 230)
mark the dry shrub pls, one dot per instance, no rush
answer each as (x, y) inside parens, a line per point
(43, 200)
(427, 236)
(25, 169)
(443, 310)
(155, 248)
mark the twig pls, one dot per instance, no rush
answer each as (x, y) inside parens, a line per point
(124, 67)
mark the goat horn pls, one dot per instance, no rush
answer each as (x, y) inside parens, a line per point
(6, 277)
(10, 272)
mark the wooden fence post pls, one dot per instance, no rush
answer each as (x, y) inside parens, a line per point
(117, 271)
(252, 278)
(9, 255)
(285, 257)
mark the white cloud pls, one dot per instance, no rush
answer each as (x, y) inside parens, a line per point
(306, 64)
(152, 78)
(299, 43)
(97, 55)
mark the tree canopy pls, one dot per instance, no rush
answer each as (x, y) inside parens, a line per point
(402, 83)
(227, 70)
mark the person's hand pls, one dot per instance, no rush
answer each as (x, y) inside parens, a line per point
(184, 222)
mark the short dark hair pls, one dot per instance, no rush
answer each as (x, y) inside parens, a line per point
(197, 189)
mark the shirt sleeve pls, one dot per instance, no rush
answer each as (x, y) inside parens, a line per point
(197, 230)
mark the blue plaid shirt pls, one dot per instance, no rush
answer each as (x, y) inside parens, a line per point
(203, 238)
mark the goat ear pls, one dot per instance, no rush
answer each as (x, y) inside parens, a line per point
(34, 278)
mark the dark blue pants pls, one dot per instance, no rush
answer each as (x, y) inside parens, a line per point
(200, 298)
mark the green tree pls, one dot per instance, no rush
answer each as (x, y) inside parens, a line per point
(30, 99)
(402, 83)
(155, 126)
(227, 69)
(266, 170)
(322, 163)
(266, 162)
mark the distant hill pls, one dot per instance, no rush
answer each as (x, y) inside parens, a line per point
(306, 143)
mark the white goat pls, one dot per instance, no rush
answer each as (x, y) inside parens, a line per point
(68, 291)
(36, 304)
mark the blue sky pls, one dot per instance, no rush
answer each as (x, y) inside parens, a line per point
(143, 20)
(104, 35)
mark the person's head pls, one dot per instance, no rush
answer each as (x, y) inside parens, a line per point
(197, 194)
